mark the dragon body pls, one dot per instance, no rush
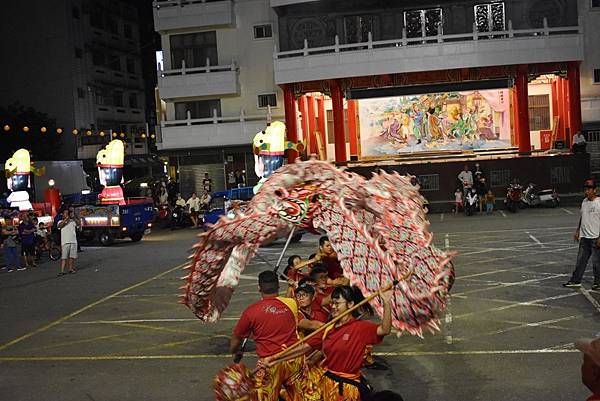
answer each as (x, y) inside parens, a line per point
(376, 226)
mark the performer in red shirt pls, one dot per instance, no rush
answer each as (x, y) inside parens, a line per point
(309, 317)
(590, 368)
(329, 258)
(344, 344)
(271, 322)
(322, 297)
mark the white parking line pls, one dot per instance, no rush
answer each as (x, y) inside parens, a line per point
(502, 213)
(442, 217)
(590, 298)
(567, 211)
(537, 241)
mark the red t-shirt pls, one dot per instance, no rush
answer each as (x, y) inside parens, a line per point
(344, 347)
(594, 397)
(317, 314)
(270, 323)
(319, 297)
(334, 269)
(296, 275)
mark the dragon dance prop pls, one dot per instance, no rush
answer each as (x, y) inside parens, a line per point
(376, 226)
(18, 171)
(110, 162)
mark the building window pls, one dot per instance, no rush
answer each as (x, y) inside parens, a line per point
(597, 74)
(127, 32)
(489, 17)
(80, 93)
(97, 19)
(101, 96)
(198, 109)
(194, 48)
(76, 12)
(98, 58)
(266, 100)
(115, 63)
(263, 31)
(595, 3)
(539, 112)
(133, 101)
(118, 98)
(423, 22)
(131, 66)
(357, 28)
(429, 182)
(112, 26)
(78, 52)
(330, 130)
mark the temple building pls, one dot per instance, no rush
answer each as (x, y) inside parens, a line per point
(380, 84)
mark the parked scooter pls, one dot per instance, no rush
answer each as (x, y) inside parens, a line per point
(532, 197)
(513, 197)
(180, 218)
(471, 202)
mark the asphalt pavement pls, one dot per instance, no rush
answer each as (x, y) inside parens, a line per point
(114, 330)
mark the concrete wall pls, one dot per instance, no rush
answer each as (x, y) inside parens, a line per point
(590, 92)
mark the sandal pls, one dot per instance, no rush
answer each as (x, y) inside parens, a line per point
(72, 271)
(61, 274)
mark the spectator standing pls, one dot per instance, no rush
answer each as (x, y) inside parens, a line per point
(231, 180)
(458, 200)
(78, 232)
(466, 179)
(481, 189)
(590, 368)
(68, 242)
(587, 233)
(579, 143)
(180, 201)
(11, 254)
(207, 183)
(240, 180)
(27, 235)
(194, 205)
(205, 200)
(490, 200)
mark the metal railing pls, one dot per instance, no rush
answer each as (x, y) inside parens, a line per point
(196, 70)
(216, 119)
(180, 3)
(440, 38)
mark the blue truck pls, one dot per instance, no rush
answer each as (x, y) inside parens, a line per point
(106, 223)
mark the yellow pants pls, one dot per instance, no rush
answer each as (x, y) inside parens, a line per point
(287, 374)
(331, 390)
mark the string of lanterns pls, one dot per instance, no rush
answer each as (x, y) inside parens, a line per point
(75, 132)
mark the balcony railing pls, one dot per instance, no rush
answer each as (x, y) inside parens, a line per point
(181, 14)
(441, 51)
(213, 131)
(209, 80)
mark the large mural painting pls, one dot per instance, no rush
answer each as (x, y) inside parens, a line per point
(434, 122)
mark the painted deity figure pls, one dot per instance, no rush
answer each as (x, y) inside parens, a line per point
(110, 162)
(18, 171)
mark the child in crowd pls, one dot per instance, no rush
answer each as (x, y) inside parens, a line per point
(42, 235)
(458, 200)
(490, 199)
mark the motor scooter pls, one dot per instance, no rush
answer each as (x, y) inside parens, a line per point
(531, 197)
(513, 197)
(471, 202)
(180, 218)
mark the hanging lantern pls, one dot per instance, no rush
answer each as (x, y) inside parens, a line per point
(74, 132)
(88, 133)
(43, 129)
(152, 136)
(59, 130)
(115, 134)
(6, 127)
(25, 129)
(143, 136)
(122, 135)
(101, 133)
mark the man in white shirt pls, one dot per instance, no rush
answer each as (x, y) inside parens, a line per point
(194, 205)
(588, 235)
(68, 242)
(466, 178)
(579, 143)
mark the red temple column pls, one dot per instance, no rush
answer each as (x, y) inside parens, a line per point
(561, 109)
(289, 101)
(321, 122)
(574, 98)
(352, 128)
(523, 110)
(303, 118)
(554, 99)
(515, 116)
(337, 100)
(312, 123)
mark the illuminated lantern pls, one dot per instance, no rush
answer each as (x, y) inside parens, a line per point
(59, 130)
(101, 133)
(110, 162)
(25, 129)
(6, 127)
(43, 129)
(122, 135)
(152, 136)
(114, 135)
(88, 133)
(74, 132)
(18, 169)
(143, 136)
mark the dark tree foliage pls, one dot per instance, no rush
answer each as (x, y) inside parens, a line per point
(41, 146)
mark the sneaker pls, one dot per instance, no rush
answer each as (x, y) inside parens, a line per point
(596, 287)
(21, 268)
(572, 284)
(9, 270)
(376, 366)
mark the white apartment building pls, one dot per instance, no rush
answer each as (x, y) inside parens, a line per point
(229, 65)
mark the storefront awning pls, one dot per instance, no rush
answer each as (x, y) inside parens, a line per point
(430, 88)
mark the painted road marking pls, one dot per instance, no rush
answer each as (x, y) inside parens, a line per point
(93, 304)
(447, 241)
(590, 298)
(567, 210)
(537, 241)
(442, 217)
(502, 213)
(249, 354)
